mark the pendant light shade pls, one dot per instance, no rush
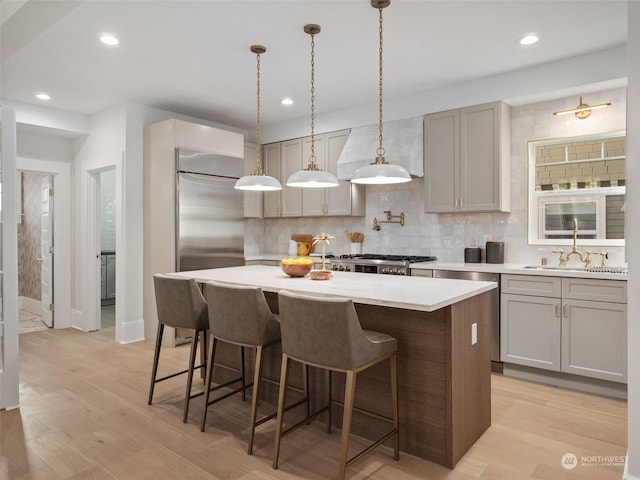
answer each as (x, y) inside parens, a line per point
(312, 179)
(380, 172)
(312, 176)
(258, 181)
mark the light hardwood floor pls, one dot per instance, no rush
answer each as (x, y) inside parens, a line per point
(84, 415)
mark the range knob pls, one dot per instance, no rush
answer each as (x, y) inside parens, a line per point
(334, 267)
(386, 271)
(347, 268)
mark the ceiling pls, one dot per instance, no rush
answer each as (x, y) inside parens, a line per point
(193, 58)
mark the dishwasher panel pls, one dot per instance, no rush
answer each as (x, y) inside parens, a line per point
(496, 365)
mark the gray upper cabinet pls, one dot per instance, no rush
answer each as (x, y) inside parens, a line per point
(467, 159)
(282, 159)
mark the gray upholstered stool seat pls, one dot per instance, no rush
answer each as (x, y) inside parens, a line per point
(180, 304)
(239, 315)
(326, 333)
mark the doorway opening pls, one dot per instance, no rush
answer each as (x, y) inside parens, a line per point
(106, 216)
(35, 251)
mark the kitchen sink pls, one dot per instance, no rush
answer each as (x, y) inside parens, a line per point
(553, 267)
(605, 269)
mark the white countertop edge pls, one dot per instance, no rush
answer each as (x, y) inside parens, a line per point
(507, 268)
(517, 269)
(410, 293)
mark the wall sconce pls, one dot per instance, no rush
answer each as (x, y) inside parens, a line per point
(583, 110)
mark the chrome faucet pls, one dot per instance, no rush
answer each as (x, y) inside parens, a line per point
(584, 257)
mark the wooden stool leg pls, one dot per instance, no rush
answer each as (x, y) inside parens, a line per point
(305, 388)
(349, 393)
(242, 374)
(257, 375)
(207, 381)
(156, 358)
(394, 404)
(327, 390)
(192, 363)
(284, 378)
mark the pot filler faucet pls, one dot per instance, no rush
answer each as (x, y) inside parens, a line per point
(584, 257)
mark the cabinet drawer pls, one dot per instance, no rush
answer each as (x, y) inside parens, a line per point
(593, 289)
(534, 285)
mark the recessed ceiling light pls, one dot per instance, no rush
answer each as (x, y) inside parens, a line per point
(43, 96)
(286, 101)
(529, 39)
(109, 39)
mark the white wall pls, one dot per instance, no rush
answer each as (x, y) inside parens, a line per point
(633, 238)
(114, 139)
(578, 75)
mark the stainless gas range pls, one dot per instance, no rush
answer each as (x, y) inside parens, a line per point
(375, 263)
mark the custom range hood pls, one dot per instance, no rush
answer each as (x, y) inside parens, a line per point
(403, 142)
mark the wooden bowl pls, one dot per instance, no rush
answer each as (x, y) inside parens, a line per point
(297, 269)
(320, 275)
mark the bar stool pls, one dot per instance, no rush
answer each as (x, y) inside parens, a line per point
(180, 304)
(241, 316)
(326, 333)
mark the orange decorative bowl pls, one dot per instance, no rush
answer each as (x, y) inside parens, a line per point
(296, 267)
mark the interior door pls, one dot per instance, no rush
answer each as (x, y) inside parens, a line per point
(46, 252)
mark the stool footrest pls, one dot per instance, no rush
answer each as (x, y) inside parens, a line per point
(176, 374)
(372, 446)
(304, 420)
(228, 394)
(286, 409)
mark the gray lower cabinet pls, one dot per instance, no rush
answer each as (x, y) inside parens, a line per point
(570, 325)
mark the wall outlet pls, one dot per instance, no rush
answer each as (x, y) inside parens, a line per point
(474, 333)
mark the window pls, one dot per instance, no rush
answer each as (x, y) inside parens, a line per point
(579, 177)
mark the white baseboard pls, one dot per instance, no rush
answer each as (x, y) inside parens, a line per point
(76, 319)
(567, 380)
(132, 332)
(31, 305)
(626, 475)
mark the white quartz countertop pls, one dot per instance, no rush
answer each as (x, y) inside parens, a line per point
(412, 293)
(574, 271)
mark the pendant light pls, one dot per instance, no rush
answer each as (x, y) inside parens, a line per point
(258, 181)
(312, 176)
(380, 172)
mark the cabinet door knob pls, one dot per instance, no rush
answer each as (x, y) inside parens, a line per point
(557, 310)
(564, 310)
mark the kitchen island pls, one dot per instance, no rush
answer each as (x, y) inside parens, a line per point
(443, 358)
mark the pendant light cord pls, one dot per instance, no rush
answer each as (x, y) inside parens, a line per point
(313, 97)
(380, 151)
(258, 151)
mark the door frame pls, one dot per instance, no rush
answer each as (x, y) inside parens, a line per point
(9, 383)
(90, 257)
(61, 173)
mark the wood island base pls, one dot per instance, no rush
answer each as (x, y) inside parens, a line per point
(444, 380)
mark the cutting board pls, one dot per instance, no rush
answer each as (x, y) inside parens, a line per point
(303, 237)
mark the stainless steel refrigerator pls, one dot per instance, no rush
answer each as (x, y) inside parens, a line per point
(209, 211)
